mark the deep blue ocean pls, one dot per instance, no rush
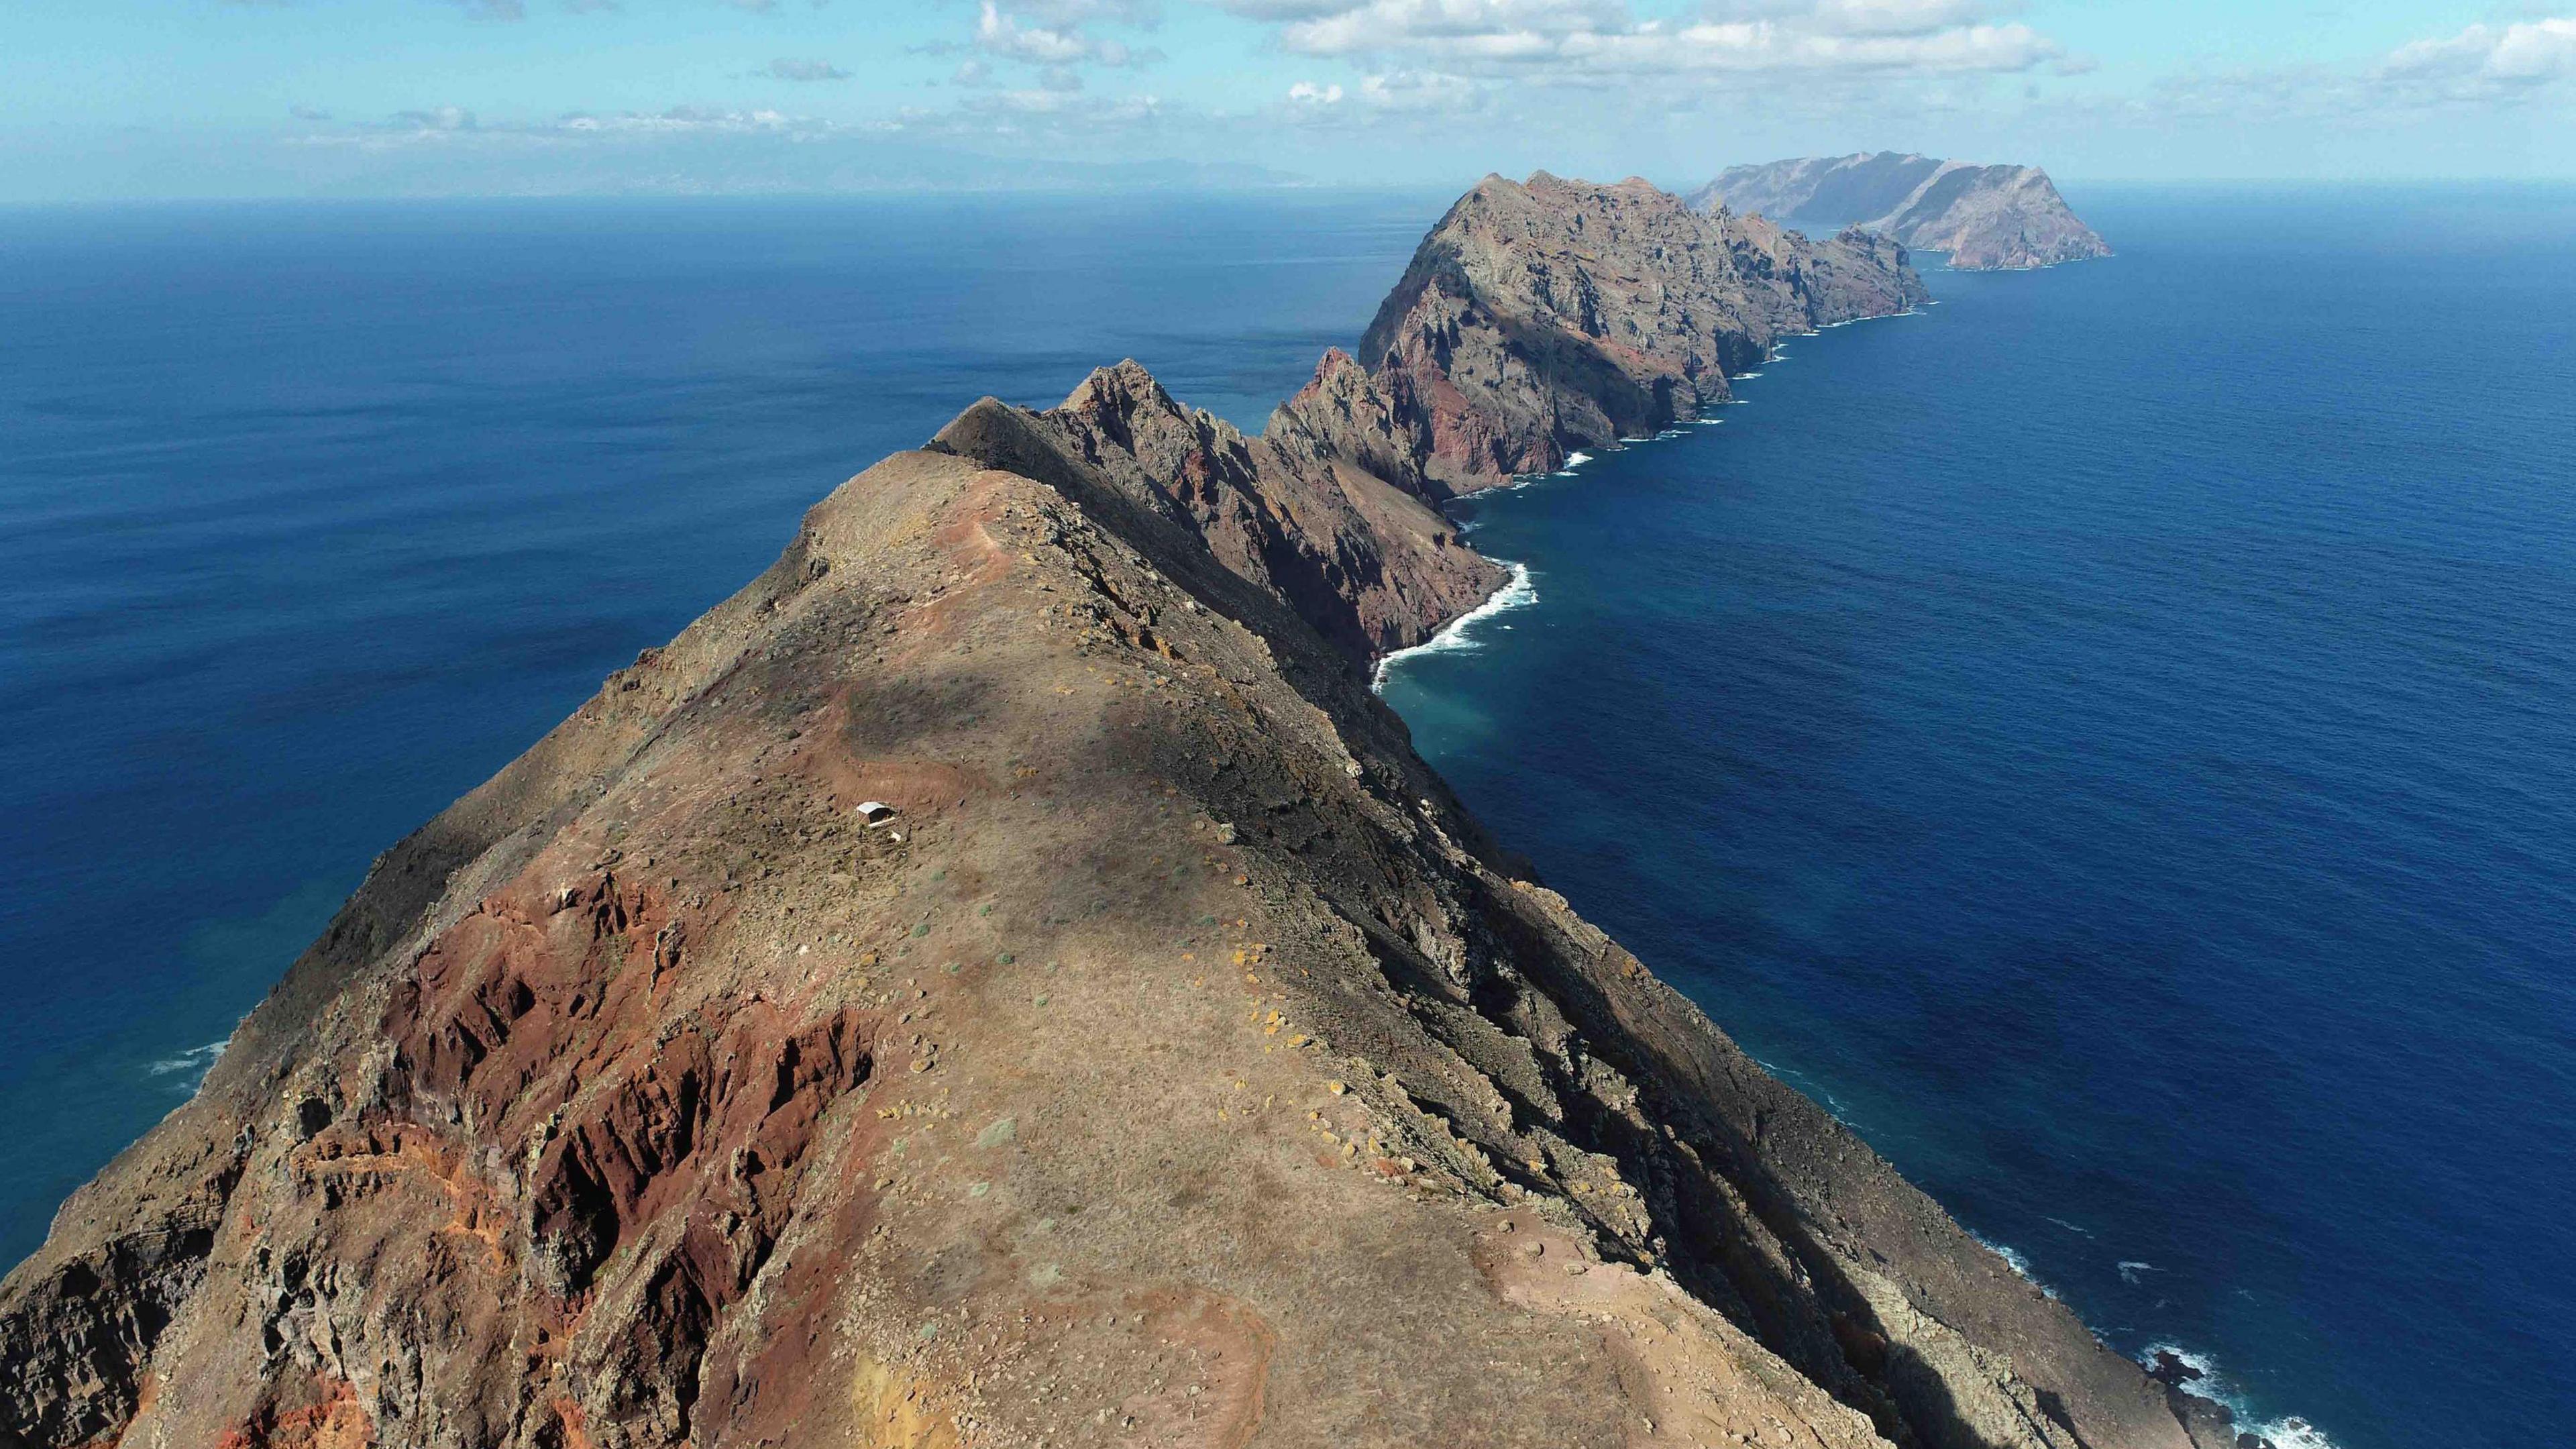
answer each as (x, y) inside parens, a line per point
(2111, 737)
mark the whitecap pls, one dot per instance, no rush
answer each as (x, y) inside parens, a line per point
(2287, 1432)
(2133, 1273)
(2070, 1227)
(1453, 636)
(194, 1059)
(2012, 1259)
(189, 1066)
(2293, 1432)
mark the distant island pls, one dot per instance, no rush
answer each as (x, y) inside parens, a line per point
(1002, 978)
(1987, 218)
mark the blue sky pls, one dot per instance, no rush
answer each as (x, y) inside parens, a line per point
(142, 98)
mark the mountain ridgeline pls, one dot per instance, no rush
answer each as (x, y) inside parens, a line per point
(1001, 978)
(1987, 218)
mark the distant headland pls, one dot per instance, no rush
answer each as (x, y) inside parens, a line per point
(1987, 218)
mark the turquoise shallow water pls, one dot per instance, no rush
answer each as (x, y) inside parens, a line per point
(2110, 739)
(2107, 737)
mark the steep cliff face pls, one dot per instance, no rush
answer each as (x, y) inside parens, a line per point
(1177, 1065)
(1544, 317)
(1985, 217)
(1304, 512)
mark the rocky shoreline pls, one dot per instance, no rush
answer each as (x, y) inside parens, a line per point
(1002, 978)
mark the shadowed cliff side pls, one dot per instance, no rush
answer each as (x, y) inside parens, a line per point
(1178, 1064)
(1299, 512)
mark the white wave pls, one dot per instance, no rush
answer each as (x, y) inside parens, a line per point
(1576, 459)
(2070, 1227)
(2133, 1273)
(2014, 1260)
(1739, 377)
(1454, 635)
(194, 1059)
(2287, 1432)
(2293, 1432)
(189, 1066)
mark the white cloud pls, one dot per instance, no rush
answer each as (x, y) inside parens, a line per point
(454, 125)
(1414, 90)
(1603, 38)
(441, 118)
(1283, 9)
(1036, 42)
(2483, 66)
(1859, 17)
(2485, 61)
(1062, 13)
(788, 69)
(679, 121)
(1393, 93)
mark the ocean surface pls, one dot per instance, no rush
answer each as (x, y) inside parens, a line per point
(2111, 737)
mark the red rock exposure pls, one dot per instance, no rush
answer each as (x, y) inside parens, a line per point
(1175, 1063)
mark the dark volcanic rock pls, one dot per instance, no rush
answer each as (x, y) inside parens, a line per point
(1985, 217)
(1177, 1064)
(2170, 1369)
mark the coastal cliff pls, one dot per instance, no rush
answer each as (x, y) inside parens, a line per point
(1987, 218)
(1541, 318)
(1176, 1063)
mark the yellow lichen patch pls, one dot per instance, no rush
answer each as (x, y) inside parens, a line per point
(895, 1412)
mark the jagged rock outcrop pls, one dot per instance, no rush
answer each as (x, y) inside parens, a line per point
(1316, 511)
(1541, 318)
(1178, 1064)
(1985, 217)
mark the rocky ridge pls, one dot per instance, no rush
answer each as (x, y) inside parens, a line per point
(1543, 317)
(1177, 1064)
(1987, 218)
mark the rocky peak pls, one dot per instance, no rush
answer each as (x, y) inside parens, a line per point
(1546, 316)
(1001, 978)
(1318, 512)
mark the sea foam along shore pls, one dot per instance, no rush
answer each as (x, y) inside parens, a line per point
(2287, 1432)
(1519, 591)
(1453, 635)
